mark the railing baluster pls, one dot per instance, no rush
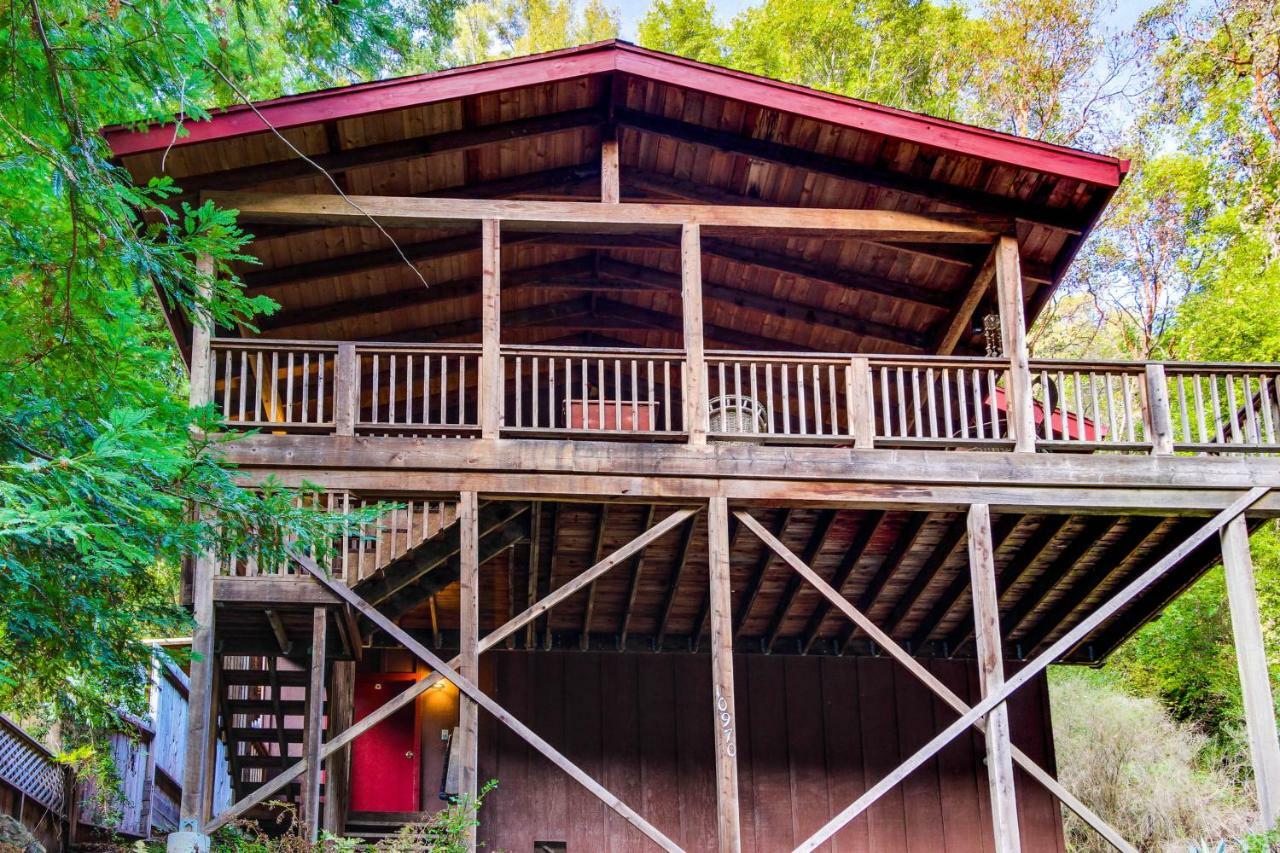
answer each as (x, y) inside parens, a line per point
(817, 401)
(755, 395)
(274, 408)
(288, 390)
(1264, 402)
(666, 392)
(257, 390)
(786, 399)
(800, 400)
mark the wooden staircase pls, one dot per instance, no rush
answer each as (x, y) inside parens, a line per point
(409, 579)
(263, 699)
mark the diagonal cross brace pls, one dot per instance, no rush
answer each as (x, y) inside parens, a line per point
(931, 681)
(443, 671)
(1033, 668)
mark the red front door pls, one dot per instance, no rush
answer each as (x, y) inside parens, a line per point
(384, 760)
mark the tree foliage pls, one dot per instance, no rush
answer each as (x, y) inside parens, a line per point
(99, 462)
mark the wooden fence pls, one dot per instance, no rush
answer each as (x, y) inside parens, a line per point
(147, 755)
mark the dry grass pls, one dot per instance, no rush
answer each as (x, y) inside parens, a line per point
(1141, 771)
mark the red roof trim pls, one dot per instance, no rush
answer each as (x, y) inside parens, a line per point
(609, 56)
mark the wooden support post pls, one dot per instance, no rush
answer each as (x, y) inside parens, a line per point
(313, 733)
(200, 714)
(1255, 680)
(695, 370)
(201, 390)
(468, 641)
(862, 421)
(1159, 421)
(1013, 335)
(197, 782)
(211, 748)
(728, 831)
(337, 771)
(986, 617)
(610, 175)
(346, 391)
(491, 373)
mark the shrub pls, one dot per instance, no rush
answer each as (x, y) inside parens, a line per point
(443, 832)
(1155, 780)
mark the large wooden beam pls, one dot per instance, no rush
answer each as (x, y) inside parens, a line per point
(200, 698)
(491, 376)
(1013, 335)
(915, 480)
(610, 178)
(925, 188)
(728, 815)
(1255, 675)
(313, 731)
(986, 616)
(337, 771)
(625, 218)
(689, 191)
(695, 370)
(468, 649)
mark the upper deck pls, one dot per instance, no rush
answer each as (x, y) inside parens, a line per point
(609, 276)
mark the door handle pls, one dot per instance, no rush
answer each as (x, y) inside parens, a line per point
(408, 754)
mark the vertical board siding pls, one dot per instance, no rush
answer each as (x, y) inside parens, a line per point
(813, 734)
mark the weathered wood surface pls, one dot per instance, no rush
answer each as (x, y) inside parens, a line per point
(990, 660)
(811, 735)
(541, 216)
(1255, 678)
(723, 692)
(1034, 668)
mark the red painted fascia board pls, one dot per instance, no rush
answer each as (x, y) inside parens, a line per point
(367, 98)
(873, 118)
(610, 56)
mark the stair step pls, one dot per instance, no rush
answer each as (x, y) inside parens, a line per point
(269, 735)
(260, 678)
(290, 707)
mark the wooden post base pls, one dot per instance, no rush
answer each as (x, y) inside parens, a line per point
(187, 842)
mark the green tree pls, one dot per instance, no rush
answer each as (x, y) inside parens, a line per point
(99, 464)
(683, 27)
(495, 29)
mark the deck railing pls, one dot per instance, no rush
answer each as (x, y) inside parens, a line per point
(850, 400)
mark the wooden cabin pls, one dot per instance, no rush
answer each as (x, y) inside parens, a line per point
(727, 508)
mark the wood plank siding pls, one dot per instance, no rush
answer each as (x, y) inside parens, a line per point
(812, 735)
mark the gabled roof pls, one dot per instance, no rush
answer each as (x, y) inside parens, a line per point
(533, 128)
(617, 55)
